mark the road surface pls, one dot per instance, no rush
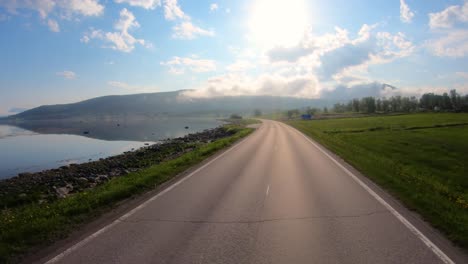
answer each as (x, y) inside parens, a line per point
(273, 198)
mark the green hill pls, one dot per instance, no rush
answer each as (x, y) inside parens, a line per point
(164, 104)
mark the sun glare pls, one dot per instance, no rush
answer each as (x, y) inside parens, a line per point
(277, 22)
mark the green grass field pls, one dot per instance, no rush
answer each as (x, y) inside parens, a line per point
(421, 158)
(36, 224)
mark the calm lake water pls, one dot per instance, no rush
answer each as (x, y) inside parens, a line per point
(37, 146)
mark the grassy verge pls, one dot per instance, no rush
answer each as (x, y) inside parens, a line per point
(421, 158)
(32, 225)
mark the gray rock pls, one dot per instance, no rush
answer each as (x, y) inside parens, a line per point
(63, 192)
(101, 178)
(82, 180)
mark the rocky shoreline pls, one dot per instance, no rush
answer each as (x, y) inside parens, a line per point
(49, 185)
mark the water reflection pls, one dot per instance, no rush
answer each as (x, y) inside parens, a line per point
(35, 146)
(123, 129)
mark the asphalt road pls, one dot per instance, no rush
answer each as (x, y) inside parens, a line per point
(273, 198)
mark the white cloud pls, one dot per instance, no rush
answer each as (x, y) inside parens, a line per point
(53, 25)
(146, 4)
(118, 84)
(311, 45)
(85, 39)
(290, 54)
(93, 34)
(67, 74)
(454, 44)
(63, 9)
(302, 86)
(66, 7)
(338, 54)
(42, 7)
(318, 66)
(127, 21)
(83, 7)
(214, 7)
(352, 76)
(349, 91)
(449, 16)
(133, 88)
(178, 65)
(266, 84)
(173, 11)
(406, 15)
(120, 40)
(462, 88)
(452, 38)
(240, 66)
(187, 30)
(392, 47)
(184, 29)
(349, 64)
(463, 75)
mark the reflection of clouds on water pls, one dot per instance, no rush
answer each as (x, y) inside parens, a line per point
(12, 131)
(39, 152)
(108, 151)
(126, 130)
(57, 143)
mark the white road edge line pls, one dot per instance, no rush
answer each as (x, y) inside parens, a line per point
(268, 189)
(436, 250)
(134, 210)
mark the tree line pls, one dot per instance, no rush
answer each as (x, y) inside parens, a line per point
(449, 102)
(446, 102)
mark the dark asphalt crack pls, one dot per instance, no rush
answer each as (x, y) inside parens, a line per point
(255, 221)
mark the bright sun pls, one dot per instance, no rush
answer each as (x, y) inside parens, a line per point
(278, 22)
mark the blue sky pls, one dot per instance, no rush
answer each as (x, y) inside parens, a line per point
(64, 51)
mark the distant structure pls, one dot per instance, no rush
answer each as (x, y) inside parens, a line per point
(306, 117)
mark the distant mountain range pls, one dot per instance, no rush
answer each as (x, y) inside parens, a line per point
(163, 104)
